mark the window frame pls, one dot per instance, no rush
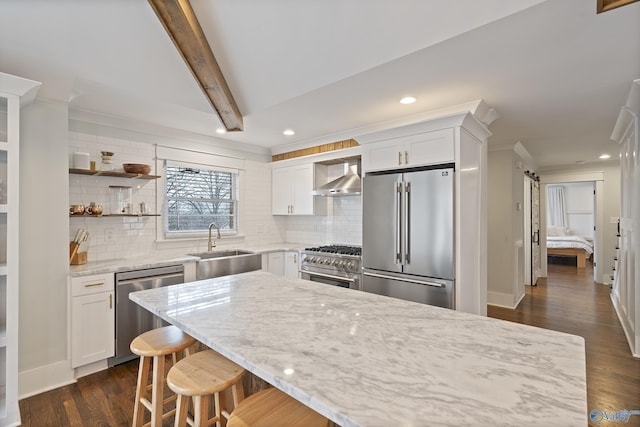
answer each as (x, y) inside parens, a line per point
(163, 231)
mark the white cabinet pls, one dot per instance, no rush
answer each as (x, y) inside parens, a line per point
(92, 319)
(14, 93)
(282, 263)
(291, 264)
(291, 190)
(431, 148)
(275, 263)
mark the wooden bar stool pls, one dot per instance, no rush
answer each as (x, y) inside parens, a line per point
(155, 345)
(271, 407)
(200, 376)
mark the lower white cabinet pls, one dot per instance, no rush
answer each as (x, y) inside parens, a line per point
(282, 263)
(291, 264)
(92, 319)
(275, 263)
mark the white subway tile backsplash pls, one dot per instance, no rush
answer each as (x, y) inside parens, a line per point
(118, 237)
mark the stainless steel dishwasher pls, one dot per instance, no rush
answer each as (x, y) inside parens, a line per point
(131, 319)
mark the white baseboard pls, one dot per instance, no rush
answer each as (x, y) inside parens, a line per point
(44, 378)
(91, 368)
(519, 300)
(626, 327)
(501, 300)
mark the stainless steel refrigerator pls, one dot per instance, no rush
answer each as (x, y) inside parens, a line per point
(408, 235)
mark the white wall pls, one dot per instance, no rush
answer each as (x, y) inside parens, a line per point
(579, 206)
(500, 257)
(130, 237)
(43, 245)
(506, 228)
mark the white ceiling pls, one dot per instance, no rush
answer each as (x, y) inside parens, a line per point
(556, 72)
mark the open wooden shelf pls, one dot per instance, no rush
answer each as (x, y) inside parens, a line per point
(112, 174)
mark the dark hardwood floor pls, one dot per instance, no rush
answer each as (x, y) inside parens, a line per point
(566, 301)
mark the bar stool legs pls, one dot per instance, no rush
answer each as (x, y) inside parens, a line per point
(155, 345)
(201, 376)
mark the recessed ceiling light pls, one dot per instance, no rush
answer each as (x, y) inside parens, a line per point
(580, 162)
(605, 156)
(408, 100)
(221, 130)
(288, 132)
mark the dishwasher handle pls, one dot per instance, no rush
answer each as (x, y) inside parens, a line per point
(160, 277)
(150, 272)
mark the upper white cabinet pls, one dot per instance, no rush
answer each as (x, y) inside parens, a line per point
(14, 92)
(423, 149)
(291, 190)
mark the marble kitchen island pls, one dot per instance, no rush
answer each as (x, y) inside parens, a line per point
(362, 359)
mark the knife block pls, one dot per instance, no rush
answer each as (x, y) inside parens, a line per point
(75, 257)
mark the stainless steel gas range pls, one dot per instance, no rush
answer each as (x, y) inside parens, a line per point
(337, 265)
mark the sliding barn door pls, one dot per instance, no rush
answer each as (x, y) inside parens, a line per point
(535, 231)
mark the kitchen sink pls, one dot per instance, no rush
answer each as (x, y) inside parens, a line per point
(226, 262)
(221, 254)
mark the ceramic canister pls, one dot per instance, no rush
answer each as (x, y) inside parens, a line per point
(81, 160)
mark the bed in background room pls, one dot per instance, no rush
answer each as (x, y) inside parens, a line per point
(560, 241)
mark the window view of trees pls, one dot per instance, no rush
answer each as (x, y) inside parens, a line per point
(197, 197)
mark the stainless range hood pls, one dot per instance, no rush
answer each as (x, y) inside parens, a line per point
(348, 184)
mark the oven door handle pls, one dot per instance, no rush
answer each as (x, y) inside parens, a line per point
(328, 276)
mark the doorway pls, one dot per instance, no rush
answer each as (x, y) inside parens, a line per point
(596, 179)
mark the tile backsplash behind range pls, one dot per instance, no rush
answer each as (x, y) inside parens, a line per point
(343, 224)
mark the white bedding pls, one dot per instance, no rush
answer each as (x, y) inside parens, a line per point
(573, 242)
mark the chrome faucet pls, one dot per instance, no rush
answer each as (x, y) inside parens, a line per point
(211, 245)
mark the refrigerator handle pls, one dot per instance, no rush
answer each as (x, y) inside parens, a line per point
(407, 221)
(398, 233)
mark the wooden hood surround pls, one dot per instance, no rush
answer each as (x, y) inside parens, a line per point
(181, 24)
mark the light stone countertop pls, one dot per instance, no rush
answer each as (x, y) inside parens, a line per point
(362, 359)
(161, 259)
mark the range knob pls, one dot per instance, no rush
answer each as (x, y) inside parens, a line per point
(350, 265)
(334, 262)
(311, 260)
(341, 264)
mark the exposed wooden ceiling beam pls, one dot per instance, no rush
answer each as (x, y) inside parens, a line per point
(180, 21)
(605, 5)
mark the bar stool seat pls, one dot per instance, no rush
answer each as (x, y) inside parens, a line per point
(155, 345)
(201, 376)
(271, 407)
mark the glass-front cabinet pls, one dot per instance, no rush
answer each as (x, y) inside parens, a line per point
(14, 92)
